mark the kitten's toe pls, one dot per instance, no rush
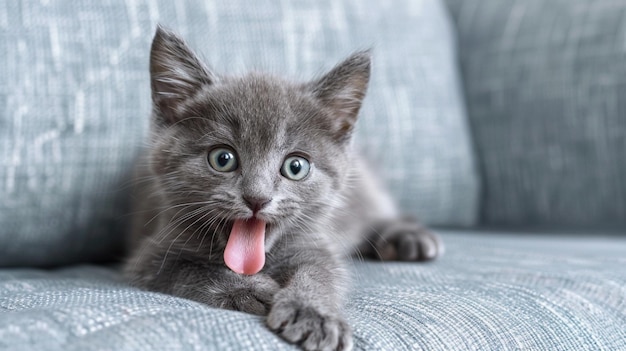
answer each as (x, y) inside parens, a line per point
(307, 327)
(429, 245)
(407, 247)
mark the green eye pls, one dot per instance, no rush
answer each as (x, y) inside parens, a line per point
(295, 168)
(223, 159)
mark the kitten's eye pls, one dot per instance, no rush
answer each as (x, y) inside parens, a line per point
(223, 160)
(295, 168)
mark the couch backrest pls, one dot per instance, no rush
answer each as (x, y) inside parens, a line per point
(75, 102)
(545, 84)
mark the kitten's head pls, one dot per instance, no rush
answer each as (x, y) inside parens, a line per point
(256, 153)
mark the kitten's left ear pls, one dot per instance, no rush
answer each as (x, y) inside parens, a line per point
(342, 91)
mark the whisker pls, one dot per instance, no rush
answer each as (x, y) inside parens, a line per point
(176, 239)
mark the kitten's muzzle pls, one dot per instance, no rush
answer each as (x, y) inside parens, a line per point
(256, 204)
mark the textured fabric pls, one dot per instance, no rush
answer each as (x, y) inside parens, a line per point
(545, 85)
(75, 103)
(489, 292)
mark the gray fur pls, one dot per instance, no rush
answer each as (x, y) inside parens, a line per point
(184, 210)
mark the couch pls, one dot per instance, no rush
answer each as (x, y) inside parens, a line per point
(506, 120)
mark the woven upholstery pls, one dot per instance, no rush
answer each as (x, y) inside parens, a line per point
(545, 83)
(75, 103)
(489, 292)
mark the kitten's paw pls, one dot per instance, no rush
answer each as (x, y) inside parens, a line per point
(249, 301)
(404, 240)
(307, 327)
(256, 298)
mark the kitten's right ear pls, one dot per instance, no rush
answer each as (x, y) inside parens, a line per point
(176, 73)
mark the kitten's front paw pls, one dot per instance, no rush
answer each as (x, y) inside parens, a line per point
(304, 325)
(404, 240)
(249, 301)
(254, 297)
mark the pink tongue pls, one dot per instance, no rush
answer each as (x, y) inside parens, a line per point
(245, 250)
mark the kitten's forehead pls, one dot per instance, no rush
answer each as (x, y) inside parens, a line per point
(260, 101)
(258, 110)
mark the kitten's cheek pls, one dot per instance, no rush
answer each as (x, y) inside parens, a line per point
(159, 162)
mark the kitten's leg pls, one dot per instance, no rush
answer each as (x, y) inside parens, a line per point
(307, 310)
(401, 240)
(211, 284)
(377, 228)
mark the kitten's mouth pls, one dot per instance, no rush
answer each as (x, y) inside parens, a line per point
(245, 249)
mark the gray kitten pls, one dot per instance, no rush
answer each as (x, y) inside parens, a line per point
(250, 197)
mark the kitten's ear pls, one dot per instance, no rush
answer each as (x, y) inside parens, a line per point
(342, 91)
(176, 73)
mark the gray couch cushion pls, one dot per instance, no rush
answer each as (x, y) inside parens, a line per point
(489, 292)
(545, 85)
(75, 97)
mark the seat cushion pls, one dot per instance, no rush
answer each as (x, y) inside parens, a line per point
(75, 104)
(545, 83)
(490, 291)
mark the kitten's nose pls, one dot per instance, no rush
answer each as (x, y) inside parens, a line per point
(256, 204)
